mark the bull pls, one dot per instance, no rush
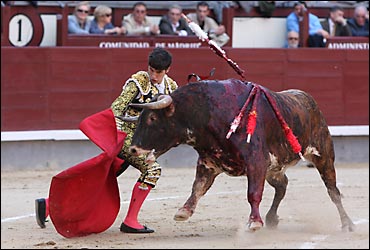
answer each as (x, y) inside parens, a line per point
(200, 113)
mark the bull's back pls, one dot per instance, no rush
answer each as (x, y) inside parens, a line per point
(217, 103)
(298, 104)
(224, 100)
(211, 106)
(304, 117)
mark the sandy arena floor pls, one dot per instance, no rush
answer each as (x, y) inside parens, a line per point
(308, 219)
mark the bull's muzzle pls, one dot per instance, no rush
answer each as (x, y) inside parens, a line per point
(150, 157)
(133, 150)
(136, 151)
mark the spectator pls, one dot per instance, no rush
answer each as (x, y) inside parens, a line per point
(217, 7)
(209, 25)
(173, 24)
(137, 22)
(316, 33)
(266, 8)
(79, 22)
(336, 24)
(359, 24)
(292, 40)
(10, 3)
(102, 23)
(247, 6)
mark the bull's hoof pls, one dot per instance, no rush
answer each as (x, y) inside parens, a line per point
(272, 220)
(182, 215)
(348, 227)
(254, 226)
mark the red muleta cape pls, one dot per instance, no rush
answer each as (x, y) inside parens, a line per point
(84, 199)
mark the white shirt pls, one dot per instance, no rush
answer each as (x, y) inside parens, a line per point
(160, 86)
(331, 27)
(181, 32)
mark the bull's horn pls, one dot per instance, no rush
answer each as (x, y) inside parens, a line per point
(128, 118)
(162, 102)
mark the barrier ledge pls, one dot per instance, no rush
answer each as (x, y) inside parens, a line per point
(73, 135)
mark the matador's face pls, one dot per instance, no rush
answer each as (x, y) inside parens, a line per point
(156, 76)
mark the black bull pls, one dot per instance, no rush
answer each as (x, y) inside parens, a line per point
(199, 114)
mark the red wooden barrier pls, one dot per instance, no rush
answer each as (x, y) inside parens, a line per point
(55, 88)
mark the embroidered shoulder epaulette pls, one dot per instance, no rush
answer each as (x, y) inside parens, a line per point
(172, 84)
(141, 79)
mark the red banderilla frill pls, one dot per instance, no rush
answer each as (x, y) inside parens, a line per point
(237, 119)
(252, 119)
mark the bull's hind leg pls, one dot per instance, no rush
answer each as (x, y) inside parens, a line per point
(204, 179)
(325, 166)
(279, 181)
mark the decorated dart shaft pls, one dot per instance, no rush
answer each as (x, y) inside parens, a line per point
(213, 45)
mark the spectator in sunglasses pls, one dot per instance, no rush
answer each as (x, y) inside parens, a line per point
(292, 40)
(102, 23)
(316, 34)
(79, 23)
(359, 24)
(137, 22)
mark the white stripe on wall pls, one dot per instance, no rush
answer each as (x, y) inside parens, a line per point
(70, 135)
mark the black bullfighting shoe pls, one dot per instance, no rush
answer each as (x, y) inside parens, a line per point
(126, 229)
(40, 207)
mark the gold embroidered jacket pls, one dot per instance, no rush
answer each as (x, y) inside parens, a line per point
(137, 89)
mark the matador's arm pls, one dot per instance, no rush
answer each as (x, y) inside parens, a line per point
(121, 103)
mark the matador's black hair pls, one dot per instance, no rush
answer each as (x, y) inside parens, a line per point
(160, 59)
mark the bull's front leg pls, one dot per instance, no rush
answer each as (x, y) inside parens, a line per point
(204, 179)
(256, 180)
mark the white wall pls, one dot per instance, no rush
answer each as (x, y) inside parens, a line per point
(50, 30)
(251, 32)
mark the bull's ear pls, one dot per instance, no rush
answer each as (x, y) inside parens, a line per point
(170, 110)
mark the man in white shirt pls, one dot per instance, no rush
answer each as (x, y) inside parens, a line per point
(137, 23)
(214, 31)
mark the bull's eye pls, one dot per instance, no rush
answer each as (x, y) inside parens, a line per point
(152, 118)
